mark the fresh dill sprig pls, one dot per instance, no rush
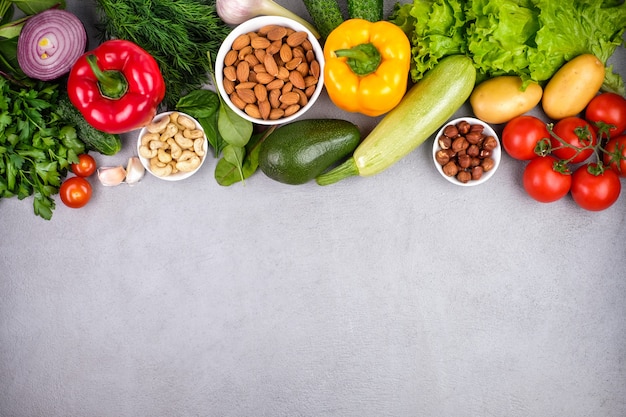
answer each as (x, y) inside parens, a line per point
(178, 34)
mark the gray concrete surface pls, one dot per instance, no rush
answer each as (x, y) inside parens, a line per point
(397, 295)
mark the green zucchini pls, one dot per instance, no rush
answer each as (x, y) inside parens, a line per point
(94, 139)
(371, 10)
(297, 152)
(326, 15)
(423, 110)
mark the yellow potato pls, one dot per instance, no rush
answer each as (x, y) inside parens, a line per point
(501, 98)
(573, 86)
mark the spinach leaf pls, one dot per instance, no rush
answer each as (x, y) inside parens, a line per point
(234, 129)
(31, 7)
(227, 173)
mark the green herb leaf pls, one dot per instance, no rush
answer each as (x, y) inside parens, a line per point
(235, 130)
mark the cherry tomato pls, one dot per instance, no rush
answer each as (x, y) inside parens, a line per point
(543, 183)
(568, 130)
(75, 192)
(595, 192)
(609, 108)
(521, 134)
(85, 167)
(616, 148)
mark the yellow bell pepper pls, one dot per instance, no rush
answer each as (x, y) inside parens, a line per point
(366, 66)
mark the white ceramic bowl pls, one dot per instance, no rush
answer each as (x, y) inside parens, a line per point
(496, 154)
(180, 175)
(254, 25)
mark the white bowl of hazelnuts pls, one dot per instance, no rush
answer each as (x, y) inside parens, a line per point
(466, 151)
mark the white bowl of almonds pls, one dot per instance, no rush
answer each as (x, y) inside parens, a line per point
(173, 146)
(269, 70)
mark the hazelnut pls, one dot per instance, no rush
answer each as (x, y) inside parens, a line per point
(473, 150)
(459, 144)
(477, 172)
(463, 126)
(451, 131)
(474, 137)
(464, 176)
(490, 143)
(484, 153)
(487, 164)
(445, 142)
(450, 169)
(442, 157)
(475, 162)
(477, 128)
(464, 161)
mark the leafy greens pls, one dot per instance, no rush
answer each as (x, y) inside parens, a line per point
(36, 146)
(529, 38)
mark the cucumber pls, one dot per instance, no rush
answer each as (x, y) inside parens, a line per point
(94, 139)
(326, 15)
(371, 10)
(423, 110)
(299, 151)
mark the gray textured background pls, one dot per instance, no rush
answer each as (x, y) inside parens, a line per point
(394, 295)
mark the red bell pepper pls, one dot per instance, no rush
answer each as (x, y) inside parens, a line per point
(117, 87)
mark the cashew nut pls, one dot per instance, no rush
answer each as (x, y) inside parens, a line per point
(158, 126)
(174, 117)
(162, 171)
(187, 154)
(184, 142)
(170, 130)
(198, 146)
(149, 137)
(157, 144)
(189, 164)
(164, 156)
(147, 152)
(154, 162)
(193, 134)
(186, 122)
(175, 149)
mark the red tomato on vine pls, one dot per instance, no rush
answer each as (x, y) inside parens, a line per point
(578, 139)
(546, 180)
(595, 189)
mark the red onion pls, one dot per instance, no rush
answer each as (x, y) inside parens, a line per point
(49, 44)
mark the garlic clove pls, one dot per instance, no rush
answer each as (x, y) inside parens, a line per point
(134, 171)
(111, 176)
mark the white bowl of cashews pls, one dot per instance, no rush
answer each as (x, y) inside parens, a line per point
(173, 146)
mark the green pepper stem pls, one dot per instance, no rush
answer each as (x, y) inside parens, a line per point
(345, 170)
(362, 59)
(112, 83)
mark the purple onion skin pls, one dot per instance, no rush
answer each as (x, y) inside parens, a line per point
(49, 44)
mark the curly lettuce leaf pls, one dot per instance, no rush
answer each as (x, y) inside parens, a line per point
(529, 38)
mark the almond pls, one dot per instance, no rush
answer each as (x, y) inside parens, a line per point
(293, 64)
(274, 48)
(252, 110)
(247, 85)
(315, 69)
(230, 58)
(303, 69)
(273, 97)
(252, 60)
(310, 80)
(285, 53)
(244, 51)
(297, 80)
(270, 65)
(296, 38)
(287, 87)
(265, 109)
(229, 86)
(310, 55)
(243, 71)
(260, 43)
(264, 78)
(239, 103)
(276, 33)
(283, 73)
(230, 73)
(310, 90)
(275, 84)
(276, 114)
(246, 95)
(260, 91)
(291, 109)
(265, 30)
(241, 41)
(289, 98)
